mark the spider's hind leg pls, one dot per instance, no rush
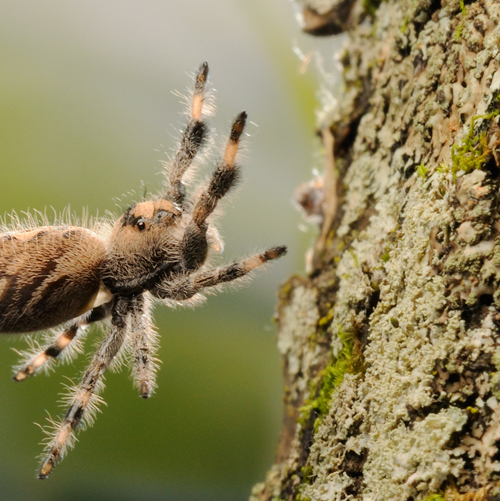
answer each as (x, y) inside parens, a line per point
(194, 244)
(83, 399)
(61, 344)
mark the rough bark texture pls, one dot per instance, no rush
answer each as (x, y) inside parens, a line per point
(391, 344)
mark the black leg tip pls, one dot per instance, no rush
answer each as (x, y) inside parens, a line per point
(20, 376)
(46, 469)
(145, 390)
(201, 79)
(275, 253)
(238, 126)
(202, 72)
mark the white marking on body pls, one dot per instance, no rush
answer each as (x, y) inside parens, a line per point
(103, 296)
(4, 285)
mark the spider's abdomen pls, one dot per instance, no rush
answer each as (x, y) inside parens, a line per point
(48, 275)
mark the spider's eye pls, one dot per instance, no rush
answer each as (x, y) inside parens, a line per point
(141, 225)
(163, 215)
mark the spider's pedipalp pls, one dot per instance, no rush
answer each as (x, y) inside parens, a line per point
(191, 142)
(84, 398)
(144, 344)
(187, 286)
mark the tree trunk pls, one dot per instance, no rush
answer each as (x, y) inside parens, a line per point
(391, 343)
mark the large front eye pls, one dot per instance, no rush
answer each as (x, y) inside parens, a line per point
(141, 225)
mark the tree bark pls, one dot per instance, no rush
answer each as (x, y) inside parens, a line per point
(391, 343)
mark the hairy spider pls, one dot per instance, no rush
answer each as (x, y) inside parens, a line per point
(68, 277)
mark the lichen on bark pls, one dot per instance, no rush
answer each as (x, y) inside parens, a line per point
(391, 343)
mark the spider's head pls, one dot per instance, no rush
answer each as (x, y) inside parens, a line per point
(146, 225)
(149, 216)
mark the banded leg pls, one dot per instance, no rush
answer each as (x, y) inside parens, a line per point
(84, 399)
(144, 343)
(194, 244)
(186, 287)
(191, 141)
(62, 344)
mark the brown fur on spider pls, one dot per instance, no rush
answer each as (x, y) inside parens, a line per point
(67, 277)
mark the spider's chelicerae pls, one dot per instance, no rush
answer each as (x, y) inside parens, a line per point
(63, 278)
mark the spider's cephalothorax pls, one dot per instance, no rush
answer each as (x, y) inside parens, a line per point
(63, 278)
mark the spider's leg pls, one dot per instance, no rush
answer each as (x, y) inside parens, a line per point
(84, 399)
(192, 140)
(144, 341)
(61, 342)
(185, 287)
(194, 244)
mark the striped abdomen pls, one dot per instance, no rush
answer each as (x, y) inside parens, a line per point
(48, 275)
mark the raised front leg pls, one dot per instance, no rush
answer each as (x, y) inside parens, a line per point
(191, 142)
(186, 286)
(194, 244)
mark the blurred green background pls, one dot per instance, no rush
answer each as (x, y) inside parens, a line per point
(86, 113)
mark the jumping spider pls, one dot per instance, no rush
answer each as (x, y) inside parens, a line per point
(67, 277)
